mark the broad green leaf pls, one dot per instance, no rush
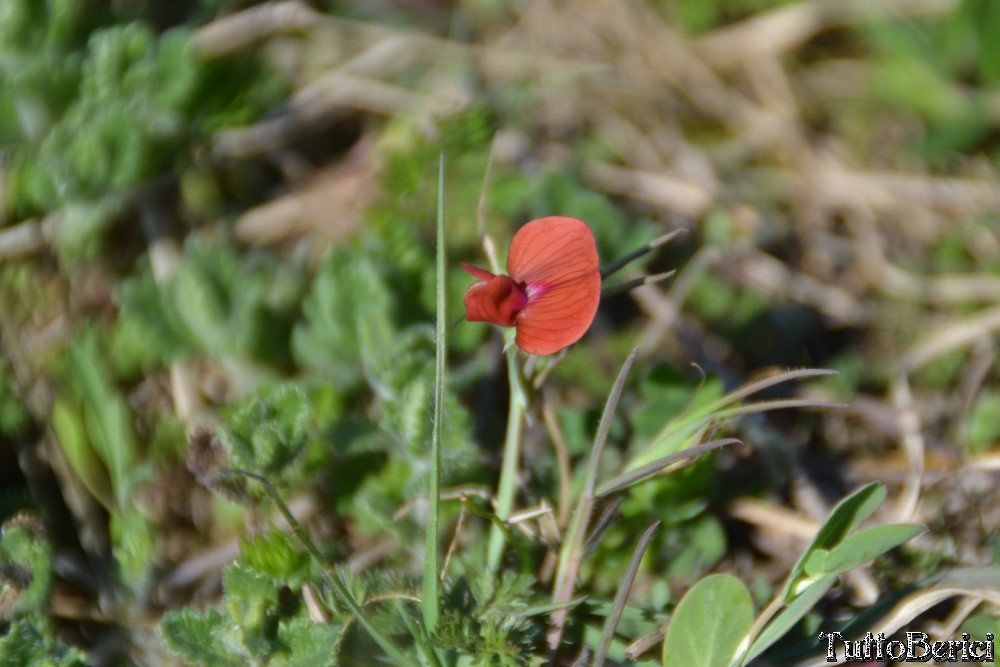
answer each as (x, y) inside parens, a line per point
(866, 545)
(979, 625)
(717, 607)
(983, 424)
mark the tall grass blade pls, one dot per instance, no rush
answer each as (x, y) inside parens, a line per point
(430, 598)
(616, 611)
(571, 554)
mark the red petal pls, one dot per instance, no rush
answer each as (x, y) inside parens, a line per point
(480, 274)
(497, 300)
(556, 261)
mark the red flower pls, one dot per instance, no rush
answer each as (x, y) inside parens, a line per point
(553, 290)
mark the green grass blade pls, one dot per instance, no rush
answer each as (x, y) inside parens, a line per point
(641, 474)
(430, 600)
(572, 552)
(619, 605)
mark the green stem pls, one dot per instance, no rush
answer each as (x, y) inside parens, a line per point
(511, 458)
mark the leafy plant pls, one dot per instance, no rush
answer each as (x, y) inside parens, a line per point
(26, 573)
(93, 425)
(104, 110)
(259, 625)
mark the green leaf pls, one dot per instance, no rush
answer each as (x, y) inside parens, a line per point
(814, 565)
(987, 24)
(984, 421)
(106, 417)
(29, 642)
(805, 600)
(347, 318)
(98, 123)
(718, 608)
(979, 625)
(14, 417)
(866, 545)
(25, 563)
(195, 638)
(132, 539)
(216, 302)
(277, 555)
(67, 422)
(252, 603)
(267, 433)
(306, 644)
(843, 519)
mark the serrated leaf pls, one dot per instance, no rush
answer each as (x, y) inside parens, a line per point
(347, 318)
(249, 593)
(718, 607)
(251, 602)
(277, 555)
(306, 644)
(29, 642)
(269, 430)
(195, 638)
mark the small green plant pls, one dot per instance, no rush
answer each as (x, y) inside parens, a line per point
(96, 112)
(470, 603)
(93, 428)
(26, 575)
(261, 623)
(837, 548)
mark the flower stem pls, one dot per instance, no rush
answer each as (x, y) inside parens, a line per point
(511, 457)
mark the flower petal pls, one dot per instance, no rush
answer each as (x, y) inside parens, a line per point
(555, 260)
(498, 300)
(480, 274)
